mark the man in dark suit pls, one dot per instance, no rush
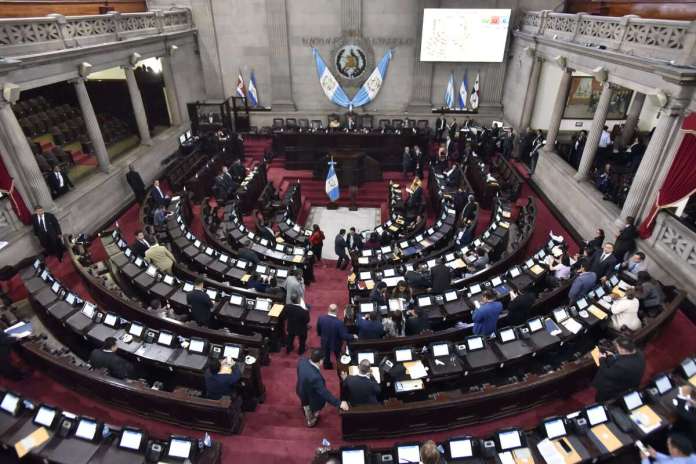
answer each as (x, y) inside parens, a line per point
(379, 294)
(440, 124)
(297, 319)
(454, 176)
(340, 250)
(469, 208)
(332, 332)
(221, 378)
(158, 195)
(106, 358)
(355, 241)
(136, 184)
(441, 276)
(361, 388)
(521, 301)
(452, 128)
(200, 304)
(59, 182)
(626, 239)
(311, 389)
(247, 254)
(47, 230)
(620, 371)
(369, 326)
(417, 279)
(583, 283)
(603, 261)
(140, 245)
(266, 231)
(417, 322)
(238, 170)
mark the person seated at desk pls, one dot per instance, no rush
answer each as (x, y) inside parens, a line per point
(680, 448)
(478, 260)
(361, 388)
(257, 282)
(403, 291)
(247, 254)
(265, 231)
(238, 170)
(430, 454)
(200, 304)
(625, 312)
(373, 242)
(685, 409)
(157, 195)
(583, 283)
(441, 277)
(221, 378)
(418, 278)
(274, 290)
(649, 293)
(394, 325)
(160, 257)
(379, 294)
(417, 322)
(521, 302)
(369, 326)
(560, 268)
(140, 245)
(635, 264)
(485, 317)
(159, 216)
(106, 358)
(454, 176)
(619, 371)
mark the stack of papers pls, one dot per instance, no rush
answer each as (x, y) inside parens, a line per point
(572, 325)
(415, 369)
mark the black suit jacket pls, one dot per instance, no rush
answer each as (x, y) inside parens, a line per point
(158, 198)
(139, 248)
(115, 364)
(248, 255)
(54, 183)
(355, 241)
(603, 268)
(136, 182)
(441, 277)
(416, 325)
(617, 374)
(51, 233)
(201, 305)
(518, 309)
(360, 390)
(340, 245)
(297, 318)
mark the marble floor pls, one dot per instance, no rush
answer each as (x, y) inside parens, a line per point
(333, 220)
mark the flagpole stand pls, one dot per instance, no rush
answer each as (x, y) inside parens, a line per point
(332, 205)
(353, 196)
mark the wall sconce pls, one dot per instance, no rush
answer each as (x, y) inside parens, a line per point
(562, 61)
(172, 49)
(10, 92)
(134, 58)
(84, 69)
(601, 74)
(662, 97)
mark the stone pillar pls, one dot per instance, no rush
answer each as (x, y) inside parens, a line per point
(27, 170)
(138, 107)
(558, 107)
(600, 117)
(170, 91)
(351, 17)
(422, 84)
(279, 55)
(655, 153)
(92, 124)
(530, 96)
(632, 118)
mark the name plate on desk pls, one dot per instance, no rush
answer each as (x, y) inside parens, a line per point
(403, 386)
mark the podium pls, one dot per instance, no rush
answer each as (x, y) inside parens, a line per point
(353, 167)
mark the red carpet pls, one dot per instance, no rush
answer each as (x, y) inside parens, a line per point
(275, 432)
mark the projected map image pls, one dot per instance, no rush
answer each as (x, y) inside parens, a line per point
(472, 35)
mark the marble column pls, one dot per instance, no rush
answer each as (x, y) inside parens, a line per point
(558, 108)
(422, 83)
(22, 159)
(530, 96)
(92, 124)
(598, 121)
(351, 17)
(138, 107)
(632, 118)
(279, 55)
(170, 91)
(656, 151)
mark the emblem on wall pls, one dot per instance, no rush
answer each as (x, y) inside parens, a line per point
(352, 58)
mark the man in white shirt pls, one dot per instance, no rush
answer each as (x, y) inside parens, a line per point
(603, 147)
(59, 182)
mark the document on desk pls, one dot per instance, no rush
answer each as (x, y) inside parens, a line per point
(646, 419)
(522, 456)
(596, 312)
(506, 458)
(572, 325)
(37, 438)
(415, 369)
(549, 452)
(276, 310)
(536, 269)
(595, 355)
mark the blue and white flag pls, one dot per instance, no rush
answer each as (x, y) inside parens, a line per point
(371, 87)
(331, 187)
(475, 94)
(252, 94)
(463, 89)
(240, 89)
(449, 92)
(329, 84)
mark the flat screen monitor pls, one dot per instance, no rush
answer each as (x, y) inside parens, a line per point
(496, 281)
(450, 296)
(419, 237)
(110, 319)
(131, 439)
(182, 138)
(596, 415)
(261, 269)
(223, 259)
(45, 275)
(367, 307)
(560, 314)
(209, 251)
(231, 351)
(632, 400)
(353, 456)
(424, 301)
(168, 279)
(165, 338)
(279, 247)
(554, 428)
(197, 243)
(581, 303)
(389, 273)
(689, 367)
(365, 275)
(282, 273)
(386, 249)
(366, 355)
(474, 343)
(431, 263)
(138, 262)
(263, 242)
(55, 288)
(407, 454)
(262, 305)
(70, 298)
(188, 287)
(535, 324)
(403, 245)
(509, 440)
(507, 335)
(86, 429)
(514, 272)
(403, 355)
(236, 300)
(460, 448)
(128, 252)
(600, 292)
(663, 384)
(136, 329)
(10, 403)
(241, 264)
(440, 349)
(151, 271)
(45, 416)
(367, 253)
(37, 261)
(212, 294)
(196, 345)
(529, 263)
(474, 289)
(88, 309)
(179, 448)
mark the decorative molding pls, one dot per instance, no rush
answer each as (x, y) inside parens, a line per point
(673, 236)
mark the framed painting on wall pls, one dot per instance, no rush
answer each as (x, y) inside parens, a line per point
(583, 97)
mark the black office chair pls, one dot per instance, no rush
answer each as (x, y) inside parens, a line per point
(278, 123)
(383, 123)
(397, 123)
(366, 121)
(291, 123)
(316, 124)
(303, 123)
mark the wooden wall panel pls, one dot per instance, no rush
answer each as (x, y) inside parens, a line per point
(657, 9)
(34, 8)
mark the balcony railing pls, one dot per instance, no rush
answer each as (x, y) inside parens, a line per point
(24, 36)
(651, 38)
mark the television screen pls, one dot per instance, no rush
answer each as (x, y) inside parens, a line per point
(554, 428)
(403, 355)
(509, 440)
(369, 356)
(196, 346)
(9, 403)
(441, 349)
(86, 429)
(663, 384)
(596, 415)
(507, 335)
(131, 439)
(231, 351)
(45, 416)
(632, 401)
(408, 453)
(179, 448)
(353, 456)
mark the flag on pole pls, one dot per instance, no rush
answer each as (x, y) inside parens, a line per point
(332, 89)
(331, 188)
(475, 94)
(252, 94)
(449, 92)
(463, 89)
(369, 89)
(241, 90)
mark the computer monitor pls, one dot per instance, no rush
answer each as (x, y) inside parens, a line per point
(663, 384)
(535, 324)
(261, 269)
(632, 400)
(179, 447)
(88, 309)
(554, 428)
(231, 351)
(262, 305)
(70, 298)
(86, 429)
(138, 262)
(596, 415)
(196, 345)
(10, 403)
(127, 252)
(367, 307)
(45, 275)
(354, 455)
(367, 253)
(55, 288)
(369, 355)
(197, 243)
(136, 329)
(450, 296)
(560, 314)
(424, 301)
(403, 355)
(46, 416)
(209, 251)
(365, 275)
(581, 303)
(282, 273)
(237, 300)
(475, 343)
(389, 272)
(151, 271)
(188, 287)
(507, 335)
(460, 448)
(223, 259)
(165, 338)
(37, 262)
(440, 349)
(212, 294)
(240, 264)
(408, 453)
(474, 289)
(110, 319)
(688, 366)
(131, 439)
(509, 439)
(496, 281)
(386, 249)
(403, 245)
(168, 279)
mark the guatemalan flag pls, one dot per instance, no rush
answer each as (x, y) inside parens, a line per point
(371, 87)
(330, 86)
(449, 92)
(252, 94)
(241, 91)
(463, 89)
(475, 94)
(331, 187)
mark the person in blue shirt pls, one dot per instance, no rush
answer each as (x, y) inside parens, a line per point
(333, 333)
(486, 316)
(681, 451)
(379, 294)
(221, 378)
(370, 327)
(583, 283)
